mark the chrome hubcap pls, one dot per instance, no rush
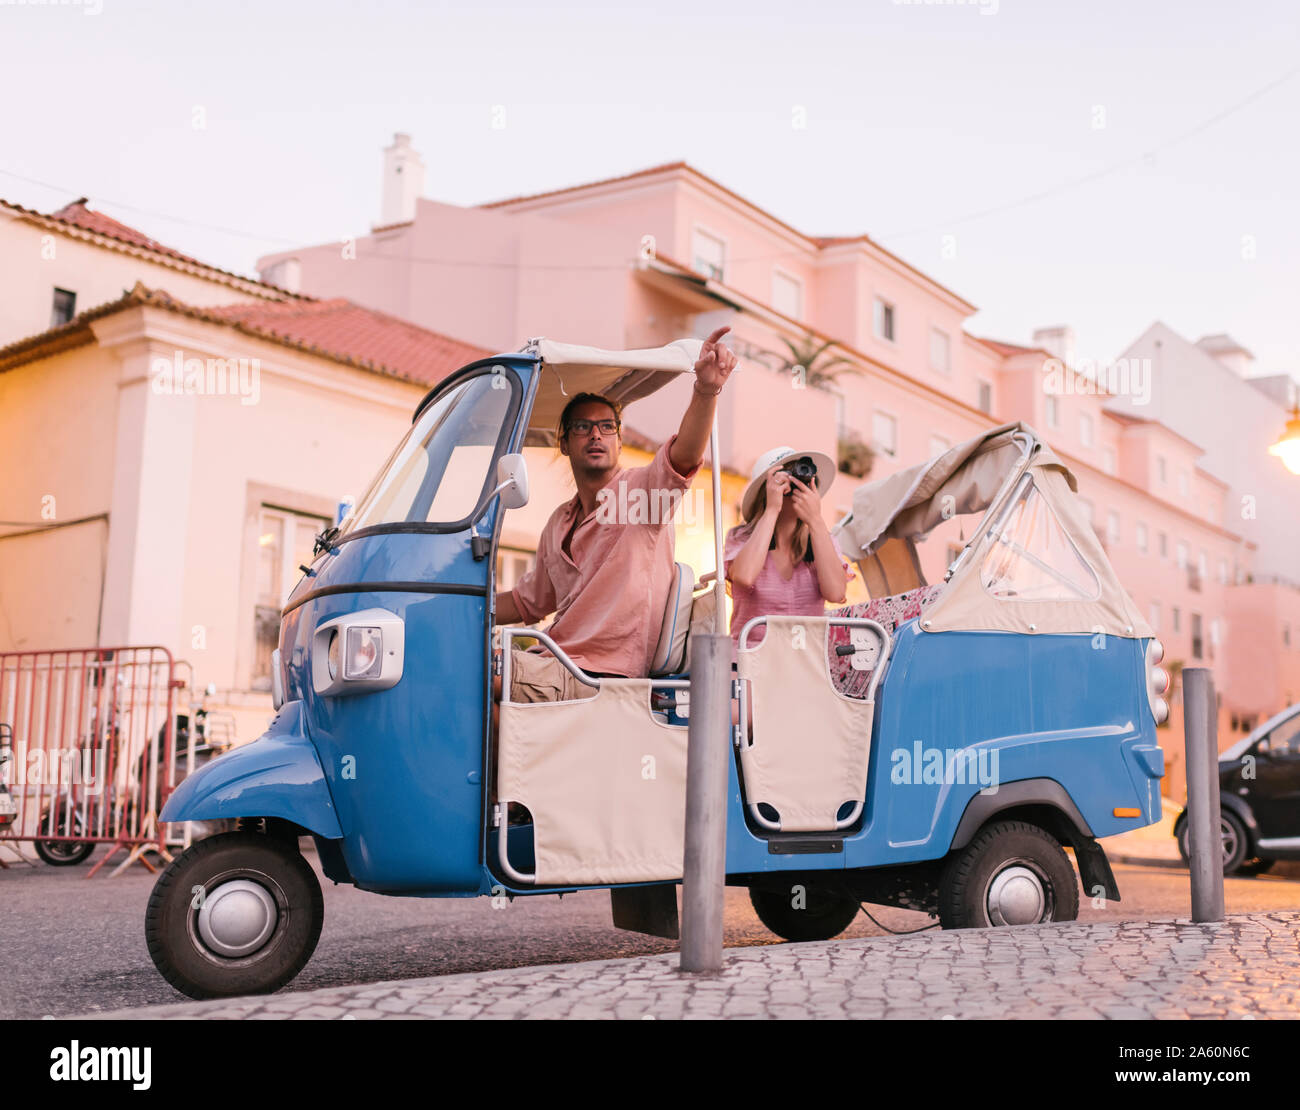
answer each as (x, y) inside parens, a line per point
(237, 918)
(1229, 840)
(1016, 897)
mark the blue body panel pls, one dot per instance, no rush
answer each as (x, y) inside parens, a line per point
(1067, 708)
(279, 776)
(404, 766)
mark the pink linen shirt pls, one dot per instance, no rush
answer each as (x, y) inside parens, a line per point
(609, 592)
(771, 595)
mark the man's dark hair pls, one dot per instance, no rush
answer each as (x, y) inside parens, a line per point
(566, 417)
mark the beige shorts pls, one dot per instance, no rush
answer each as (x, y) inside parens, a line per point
(537, 677)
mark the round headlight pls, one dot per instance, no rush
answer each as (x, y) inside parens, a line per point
(1157, 650)
(332, 657)
(1161, 710)
(1160, 680)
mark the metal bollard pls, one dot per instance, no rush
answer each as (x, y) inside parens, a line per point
(1205, 841)
(707, 751)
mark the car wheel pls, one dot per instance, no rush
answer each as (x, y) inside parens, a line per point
(816, 916)
(1236, 844)
(1012, 873)
(237, 913)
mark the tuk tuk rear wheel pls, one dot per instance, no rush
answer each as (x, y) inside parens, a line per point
(1011, 873)
(237, 913)
(819, 917)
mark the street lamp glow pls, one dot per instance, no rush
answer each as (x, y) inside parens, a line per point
(1288, 447)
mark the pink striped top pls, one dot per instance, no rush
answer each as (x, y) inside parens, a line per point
(771, 595)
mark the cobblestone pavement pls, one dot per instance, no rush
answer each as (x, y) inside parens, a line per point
(1248, 966)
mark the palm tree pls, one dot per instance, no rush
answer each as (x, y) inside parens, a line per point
(807, 352)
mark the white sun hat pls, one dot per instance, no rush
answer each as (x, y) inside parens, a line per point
(776, 458)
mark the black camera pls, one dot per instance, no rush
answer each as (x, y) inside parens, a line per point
(805, 470)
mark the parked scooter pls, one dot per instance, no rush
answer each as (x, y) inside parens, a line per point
(8, 807)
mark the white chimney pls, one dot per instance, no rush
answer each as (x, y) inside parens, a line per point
(286, 274)
(1229, 352)
(403, 181)
(1057, 341)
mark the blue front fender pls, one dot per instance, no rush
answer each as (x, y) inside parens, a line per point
(277, 776)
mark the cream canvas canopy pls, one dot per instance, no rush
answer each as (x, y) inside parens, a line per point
(624, 376)
(1034, 564)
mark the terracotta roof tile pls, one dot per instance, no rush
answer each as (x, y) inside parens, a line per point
(80, 216)
(336, 329)
(339, 327)
(85, 219)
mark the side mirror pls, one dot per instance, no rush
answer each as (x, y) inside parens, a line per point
(512, 481)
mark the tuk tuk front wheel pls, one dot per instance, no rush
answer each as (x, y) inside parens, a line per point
(1012, 873)
(237, 913)
(803, 915)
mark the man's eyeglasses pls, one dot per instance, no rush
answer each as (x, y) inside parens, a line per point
(582, 428)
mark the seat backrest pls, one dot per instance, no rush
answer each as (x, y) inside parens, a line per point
(670, 650)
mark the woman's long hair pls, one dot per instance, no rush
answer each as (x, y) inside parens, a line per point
(801, 542)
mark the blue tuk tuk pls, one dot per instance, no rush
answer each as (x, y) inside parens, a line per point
(937, 749)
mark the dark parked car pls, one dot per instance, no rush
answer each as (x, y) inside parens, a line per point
(1259, 797)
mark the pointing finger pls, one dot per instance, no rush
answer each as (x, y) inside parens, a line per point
(717, 334)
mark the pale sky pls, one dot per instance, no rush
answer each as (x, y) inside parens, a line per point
(918, 116)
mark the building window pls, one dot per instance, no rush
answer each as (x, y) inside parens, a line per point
(1182, 483)
(984, 400)
(1085, 429)
(1164, 545)
(938, 445)
(884, 319)
(787, 294)
(884, 431)
(1140, 537)
(940, 351)
(65, 307)
(1176, 615)
(512, 564)
(1112, 527)
(1155, 616)
(1181, 559)
(1286, 635)
(1223, 572)
(1162, 472)
(1053, 411)
(1108, 460)
(710, 254)
(285, 541)
(1198, 647)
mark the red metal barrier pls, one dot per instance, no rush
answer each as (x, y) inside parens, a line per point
(92, 749)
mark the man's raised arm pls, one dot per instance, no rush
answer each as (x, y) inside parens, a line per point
(712, 369)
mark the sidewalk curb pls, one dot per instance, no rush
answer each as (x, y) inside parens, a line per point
(1150, 861)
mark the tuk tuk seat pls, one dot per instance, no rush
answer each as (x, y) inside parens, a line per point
(670, 650)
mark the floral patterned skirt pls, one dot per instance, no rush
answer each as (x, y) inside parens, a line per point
(887, 611)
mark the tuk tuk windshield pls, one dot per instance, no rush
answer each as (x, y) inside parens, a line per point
(442, 467)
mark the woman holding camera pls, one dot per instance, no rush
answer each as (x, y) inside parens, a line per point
(782, 561)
